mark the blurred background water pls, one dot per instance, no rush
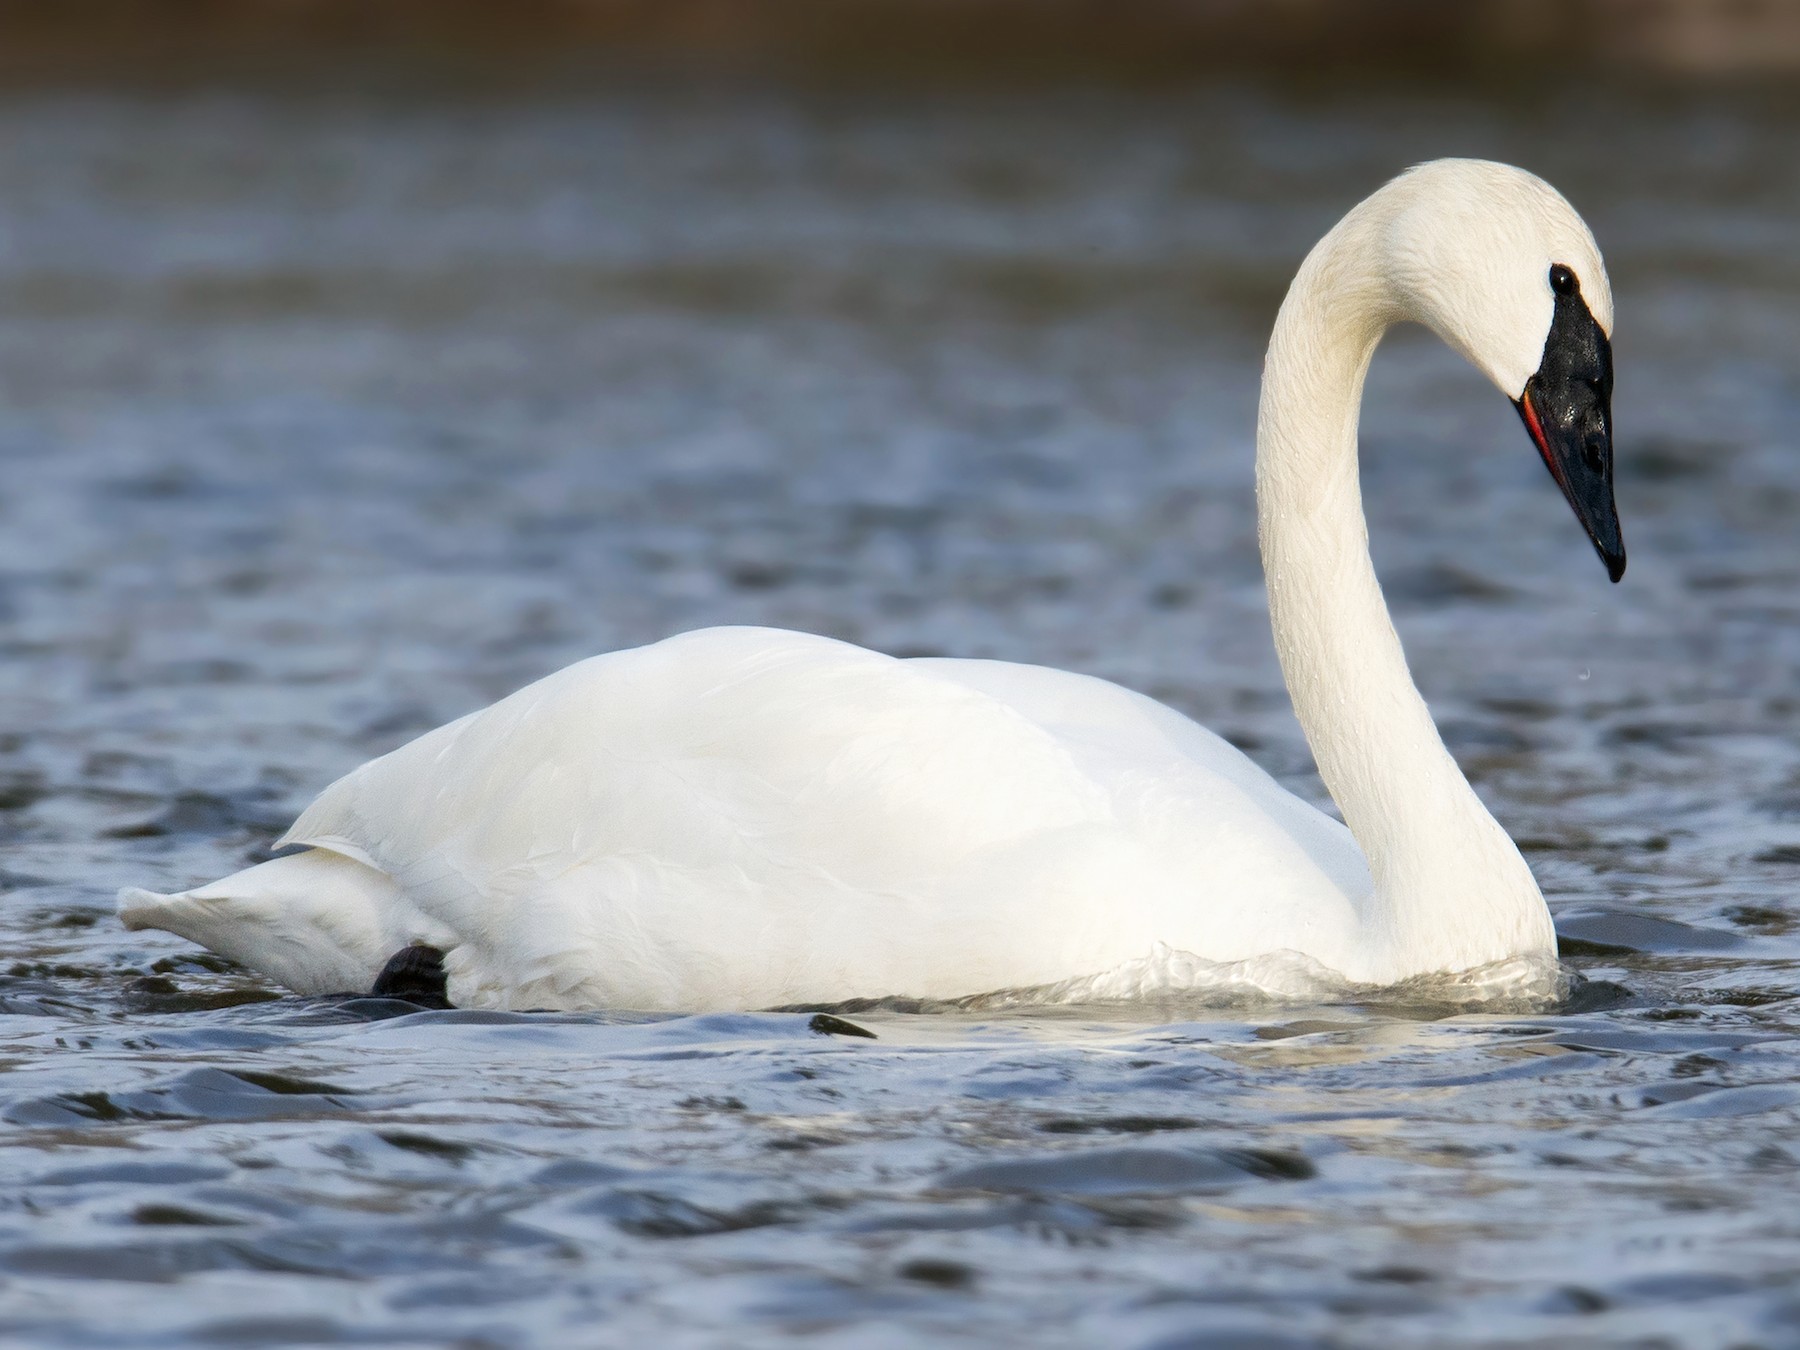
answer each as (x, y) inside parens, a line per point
(347, 384)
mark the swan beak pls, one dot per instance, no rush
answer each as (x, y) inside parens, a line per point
(1567, 408)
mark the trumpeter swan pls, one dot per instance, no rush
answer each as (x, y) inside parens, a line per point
(745, 818)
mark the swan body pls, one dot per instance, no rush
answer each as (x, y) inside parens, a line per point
(745, 817)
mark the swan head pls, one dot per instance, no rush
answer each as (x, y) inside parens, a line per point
(1494, 261)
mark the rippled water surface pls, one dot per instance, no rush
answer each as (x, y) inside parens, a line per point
(322, 422)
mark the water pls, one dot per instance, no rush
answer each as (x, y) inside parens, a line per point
(325, 421)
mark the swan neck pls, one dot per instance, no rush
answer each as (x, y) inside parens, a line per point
(1450, 889)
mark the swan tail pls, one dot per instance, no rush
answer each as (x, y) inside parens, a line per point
(317, 922)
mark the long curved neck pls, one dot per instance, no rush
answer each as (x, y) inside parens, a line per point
(1451, 891)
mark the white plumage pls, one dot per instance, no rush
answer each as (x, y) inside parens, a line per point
(743, 817)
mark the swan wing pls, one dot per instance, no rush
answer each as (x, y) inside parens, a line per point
(745, 817)
(1277, 871)
(728, 817)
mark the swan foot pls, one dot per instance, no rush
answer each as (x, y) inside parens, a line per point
(414, 974)
(824, 1024)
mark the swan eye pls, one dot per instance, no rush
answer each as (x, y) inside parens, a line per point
(1563, 281)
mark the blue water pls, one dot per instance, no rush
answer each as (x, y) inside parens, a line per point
(322, 422)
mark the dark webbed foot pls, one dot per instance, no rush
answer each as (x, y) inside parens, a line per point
(416, 975)
(824, 1024)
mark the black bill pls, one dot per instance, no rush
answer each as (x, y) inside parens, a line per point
(1567, 407)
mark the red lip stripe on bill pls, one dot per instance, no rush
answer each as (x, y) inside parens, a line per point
(1537, 434)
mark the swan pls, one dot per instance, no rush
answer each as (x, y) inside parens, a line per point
(741, 818)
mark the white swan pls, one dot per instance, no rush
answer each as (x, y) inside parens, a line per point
(745, 818)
